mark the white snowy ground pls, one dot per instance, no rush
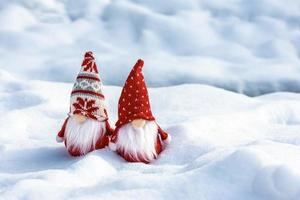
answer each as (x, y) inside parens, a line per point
(225, 146)
(252, 47)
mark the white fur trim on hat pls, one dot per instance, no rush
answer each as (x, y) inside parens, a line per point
(59, 139)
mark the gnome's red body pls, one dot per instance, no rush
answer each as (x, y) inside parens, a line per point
(87, 100)
(133, 105)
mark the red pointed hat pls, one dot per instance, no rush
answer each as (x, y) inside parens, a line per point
(134, 100)
(87, 98)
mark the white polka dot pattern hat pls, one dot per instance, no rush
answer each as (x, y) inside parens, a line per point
(134, 100)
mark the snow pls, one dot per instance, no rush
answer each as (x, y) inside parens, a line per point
(251, 47)
(224, 146)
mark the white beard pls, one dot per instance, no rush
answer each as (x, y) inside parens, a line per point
(138, 143)
(83, 136)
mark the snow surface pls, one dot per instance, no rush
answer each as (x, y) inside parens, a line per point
(252, 47)
(225, 146)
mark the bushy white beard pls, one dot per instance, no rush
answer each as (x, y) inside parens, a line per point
(138, 143)
(83, 136)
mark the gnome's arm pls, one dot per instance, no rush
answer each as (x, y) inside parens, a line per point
(164, 135)
(61, 133)
(113, 139)
(109, 129)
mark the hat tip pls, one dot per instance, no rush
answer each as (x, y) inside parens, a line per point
(140, 60)
(89, 54)
(139, 63)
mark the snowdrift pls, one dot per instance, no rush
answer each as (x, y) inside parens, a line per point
(225, 146)
(248, 47)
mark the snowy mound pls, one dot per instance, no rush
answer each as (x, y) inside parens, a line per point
(225, 146)
(252, 47)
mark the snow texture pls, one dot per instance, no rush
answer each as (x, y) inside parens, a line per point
(251, 47)
(224, 146)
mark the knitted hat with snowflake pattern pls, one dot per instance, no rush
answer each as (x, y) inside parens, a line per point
(87, 98)
(134, 100)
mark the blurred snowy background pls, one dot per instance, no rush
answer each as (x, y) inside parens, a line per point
(251, 47)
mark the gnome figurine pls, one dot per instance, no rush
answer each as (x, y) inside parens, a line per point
(137, 137)
(87, 127)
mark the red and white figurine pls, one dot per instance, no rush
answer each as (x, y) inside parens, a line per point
(87, 127)
(137, 137)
